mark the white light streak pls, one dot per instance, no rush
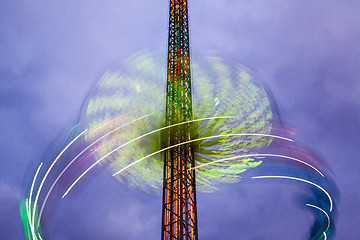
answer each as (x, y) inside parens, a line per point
(325, 237)
(117, 127)
(72, 161)
(194, 140)
(258, 155)
(144, 135)
(29, 203)
(302, 180)
(29, 218)
(113, 119)
(48, 171)
(328, 218)
(33, 183)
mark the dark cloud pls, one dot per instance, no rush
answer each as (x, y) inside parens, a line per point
(307, 52)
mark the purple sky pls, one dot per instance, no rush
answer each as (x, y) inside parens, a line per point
(307, 52)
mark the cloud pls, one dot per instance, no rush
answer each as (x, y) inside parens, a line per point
(306, 51)
(8, 192)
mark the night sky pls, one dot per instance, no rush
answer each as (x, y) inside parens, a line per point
(306, 52)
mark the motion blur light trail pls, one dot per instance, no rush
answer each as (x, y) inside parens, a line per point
(219, 90)
(302, 180)
(28, 204)
(316, 194)
(191, 141)
(327, 216)
(74, 159)
(131, 141)
(121, 130)
(259, 155)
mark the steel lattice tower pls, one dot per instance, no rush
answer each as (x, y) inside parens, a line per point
(179, 215)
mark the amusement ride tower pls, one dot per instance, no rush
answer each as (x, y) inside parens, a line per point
(179, 215)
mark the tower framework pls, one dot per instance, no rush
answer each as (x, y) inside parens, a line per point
(179, 215)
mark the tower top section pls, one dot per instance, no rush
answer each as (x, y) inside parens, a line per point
(178, 25)
(178, 67)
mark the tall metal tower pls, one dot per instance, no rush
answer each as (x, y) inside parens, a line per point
(179, 215)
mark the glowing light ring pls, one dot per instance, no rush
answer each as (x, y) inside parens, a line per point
(218, 90)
